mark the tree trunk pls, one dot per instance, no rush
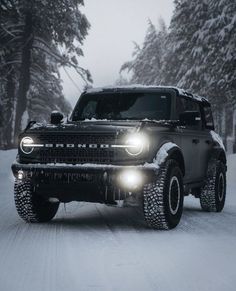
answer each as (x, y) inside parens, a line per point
(24, 82)
(9, 111)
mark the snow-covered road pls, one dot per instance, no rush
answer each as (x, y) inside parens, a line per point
(95, 247)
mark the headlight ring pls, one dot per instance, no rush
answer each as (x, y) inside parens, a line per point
(26, 145)
(135, 144)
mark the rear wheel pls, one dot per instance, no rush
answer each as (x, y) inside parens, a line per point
(163, 199)
(212, 197)
(30, 206)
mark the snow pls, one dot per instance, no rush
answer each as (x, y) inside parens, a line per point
(94, 120)
(163, 153)
(217, 138)
(88, 165)
(95, 247)
(38, 125)
(161, 156)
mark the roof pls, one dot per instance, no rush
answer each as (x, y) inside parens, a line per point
(181, 92)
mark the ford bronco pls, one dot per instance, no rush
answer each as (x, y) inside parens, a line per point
(146, 146)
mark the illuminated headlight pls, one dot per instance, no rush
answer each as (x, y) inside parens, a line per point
(131, 179)
(136, 144)
(27, 145)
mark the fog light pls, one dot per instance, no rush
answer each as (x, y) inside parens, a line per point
(131, 179)
(20, 175)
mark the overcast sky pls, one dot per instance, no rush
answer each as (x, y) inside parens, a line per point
(115, 24)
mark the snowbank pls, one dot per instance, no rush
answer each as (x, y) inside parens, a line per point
(6, 159)
(94, 247)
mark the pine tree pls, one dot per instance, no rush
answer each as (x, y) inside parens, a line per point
(10, 30)
(46, 22)
(180, 64)
(197, 53)
(145, 66)
(201, 56)
(200, 53)
(36, 37)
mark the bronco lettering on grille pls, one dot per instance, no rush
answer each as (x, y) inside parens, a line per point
(91, 146)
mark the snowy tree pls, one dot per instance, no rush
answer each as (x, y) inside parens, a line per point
(197, 53)
(47, 22)
(180, 64)
(36, 37)
(201, 56)
(10, 30)
(146, 63)
(45, 89)
(122, 81)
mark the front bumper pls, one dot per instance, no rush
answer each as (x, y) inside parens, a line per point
(84, 182)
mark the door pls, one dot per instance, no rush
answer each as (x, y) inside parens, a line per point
(206, 140)
(191, 140)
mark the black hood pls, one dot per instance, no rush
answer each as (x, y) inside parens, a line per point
(105, 126)
(108, 126)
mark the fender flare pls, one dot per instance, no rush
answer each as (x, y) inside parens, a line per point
(169, 150)
(218, 154)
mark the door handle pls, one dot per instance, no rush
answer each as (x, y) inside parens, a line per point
(196, 140)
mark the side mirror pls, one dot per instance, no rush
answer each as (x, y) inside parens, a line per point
(191, 118)
(56, 117)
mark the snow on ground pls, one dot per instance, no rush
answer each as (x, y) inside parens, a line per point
(95, 247)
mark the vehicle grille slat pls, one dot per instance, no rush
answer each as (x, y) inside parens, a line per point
(76, 155)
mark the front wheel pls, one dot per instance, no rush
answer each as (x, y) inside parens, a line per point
(163, 199)
(30, 206)
(212, 196)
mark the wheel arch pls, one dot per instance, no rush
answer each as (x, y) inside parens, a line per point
(218, 154)
(172, 151)
(176, 154)
(222, 157)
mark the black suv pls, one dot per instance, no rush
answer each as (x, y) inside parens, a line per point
(147, 146)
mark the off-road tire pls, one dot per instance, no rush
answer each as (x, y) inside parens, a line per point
(158, 212)
(30, 206)
(212, 197)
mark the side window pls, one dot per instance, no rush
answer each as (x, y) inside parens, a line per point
(180, 106)
(185, 104)
(208, 118)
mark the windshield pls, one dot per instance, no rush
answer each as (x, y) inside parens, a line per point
(122, 106)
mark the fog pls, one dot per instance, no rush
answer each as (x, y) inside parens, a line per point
(115, 25)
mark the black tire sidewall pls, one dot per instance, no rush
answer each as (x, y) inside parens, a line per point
(220, 203)
(44, 209)
(173, 219)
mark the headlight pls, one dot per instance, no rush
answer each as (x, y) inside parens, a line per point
(26, 145)
(135, 144)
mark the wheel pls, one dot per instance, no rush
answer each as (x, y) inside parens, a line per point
(30, 206)
(163, 199)
(212, 196)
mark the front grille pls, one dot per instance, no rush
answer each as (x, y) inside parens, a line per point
(76, 155)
